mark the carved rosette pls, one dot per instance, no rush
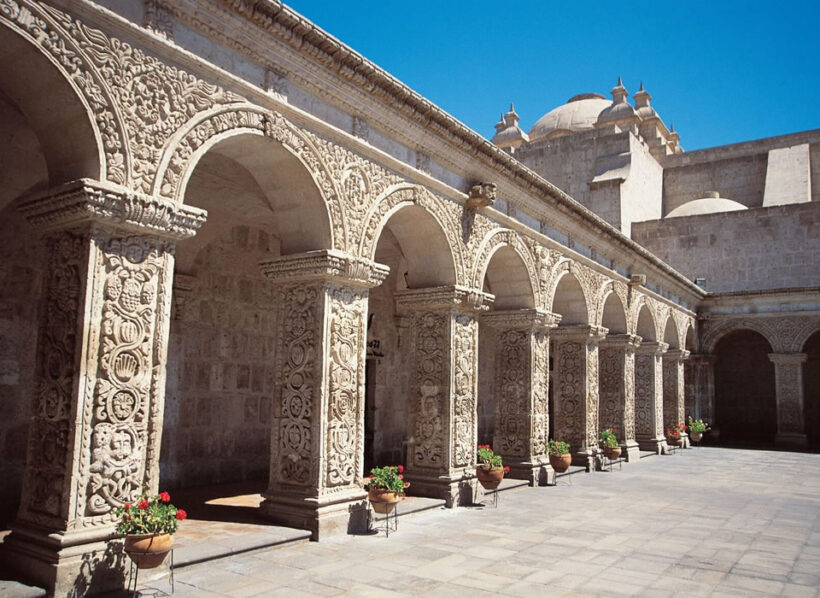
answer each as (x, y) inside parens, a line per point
(649, 390)
(95, 435)
(442, 402)
(616, 356)
(788, 373)
(521, 382)
(576, 379)
(317, 435)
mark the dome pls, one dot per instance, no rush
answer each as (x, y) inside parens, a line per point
(579, 114)
(706, 205)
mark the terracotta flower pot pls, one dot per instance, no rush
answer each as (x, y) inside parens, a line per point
(148, 551)
(489, 478)
(383, 501)
(695, 436)
(673, 440)
(612, 452)
(560, 463)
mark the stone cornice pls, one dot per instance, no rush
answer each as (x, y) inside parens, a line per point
(622, 341)
(524, 319)
(580, 333)
(788, 358)
(446, 297)
(86, 201)
(676, 355)
(324, 265)
(652, 348)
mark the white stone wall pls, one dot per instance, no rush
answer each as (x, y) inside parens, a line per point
(763, 248)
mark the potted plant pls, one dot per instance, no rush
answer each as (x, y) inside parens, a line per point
(148, 525)
(490, 468)
(673, 434)
(610, 443)
(385, 487)
(560, 458)
(697, 428)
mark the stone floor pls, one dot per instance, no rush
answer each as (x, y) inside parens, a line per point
(707, 522)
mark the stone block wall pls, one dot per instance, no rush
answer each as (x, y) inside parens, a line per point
(757, 249)
(22, 275)
(221, 365)
(741, 179)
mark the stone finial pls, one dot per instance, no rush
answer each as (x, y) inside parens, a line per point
(619, 93)
(481, 195)
(642, 97)
(508, 135)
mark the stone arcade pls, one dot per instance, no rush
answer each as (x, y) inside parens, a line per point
(233, 248)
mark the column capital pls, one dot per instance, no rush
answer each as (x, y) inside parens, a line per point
(86, 202)
(623, 341)
(676, 355)
(702, 358)
(652, 348)
(325, 264)
(521, 319)
(788, 358)
(580, 333)
(445, 297)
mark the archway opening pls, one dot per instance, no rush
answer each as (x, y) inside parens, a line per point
(811, 390)
(645, 326)
(414, 246)
(611, 368)
(499, 376)
(745, 404)
(261, 203)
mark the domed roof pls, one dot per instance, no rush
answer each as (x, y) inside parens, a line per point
(578, 114)
(706, 205)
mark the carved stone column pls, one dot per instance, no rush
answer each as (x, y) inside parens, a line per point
(649, 431)
(520, 386)
(788, 376)
(441, 421)
(616, 358)
(674, 410)
(702, 384)
(96, 419)
(317, 427)
(575, 397)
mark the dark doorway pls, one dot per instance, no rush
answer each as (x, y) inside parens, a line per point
(811, 390)
(370, 415)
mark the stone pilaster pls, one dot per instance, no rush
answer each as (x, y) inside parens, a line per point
(788, 375)
(616, 358)
(317, 427)
(649, 431)
(674, 410)
(520, 390)
(96, 420)
(575, 397)
(441, 402)
(700, 385)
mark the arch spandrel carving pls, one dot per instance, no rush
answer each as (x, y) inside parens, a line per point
(65, 43)
(497, 239)
(407, 194)
(784, 334)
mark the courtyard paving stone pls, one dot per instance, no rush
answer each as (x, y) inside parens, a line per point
(711, 522)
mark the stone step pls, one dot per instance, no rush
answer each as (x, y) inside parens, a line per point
(15, 589)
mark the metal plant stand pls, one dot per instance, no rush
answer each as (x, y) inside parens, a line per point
(134, 572)
(389, 522)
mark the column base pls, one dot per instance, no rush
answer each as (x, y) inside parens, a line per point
(684, 441)
(537, 472)
(65, 563)
(586, 458)
(457, 489)
(631, 451)
(798, 441)
(655, 444)
(326, 516)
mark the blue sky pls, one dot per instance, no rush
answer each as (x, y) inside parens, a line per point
(720, 72)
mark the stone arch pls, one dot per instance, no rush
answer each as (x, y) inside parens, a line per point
(405, 195)
(713, 335)
(612, 310)
(644, 321)
(215, 126)
(498, 240)
(568, 298)
(671, 334)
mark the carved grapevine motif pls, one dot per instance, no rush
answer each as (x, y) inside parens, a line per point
(512, 393)
(427, 419)
(670, 384)
(465, 351)
(570, 392)
(540, 397)
(592, 395)
(644, 386)
(611, 388)
(344, 441)
(629, 396)
(658, 397)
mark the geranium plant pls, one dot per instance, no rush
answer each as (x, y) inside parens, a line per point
(558, 447)
(608, 438)
(698, 425)
(389, 477)
(488, 459)
(150, 514)
(676, 431)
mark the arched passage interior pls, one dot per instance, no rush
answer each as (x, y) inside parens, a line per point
(811, 390)
(745, 400)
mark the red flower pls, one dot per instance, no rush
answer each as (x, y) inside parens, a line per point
(127, 506)
(371, 475)
(164, 497)
(401, 477)
(181, 515)
(506, 469)
(128, 517)
(401, 468)
(143, 504)
(407, 484)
